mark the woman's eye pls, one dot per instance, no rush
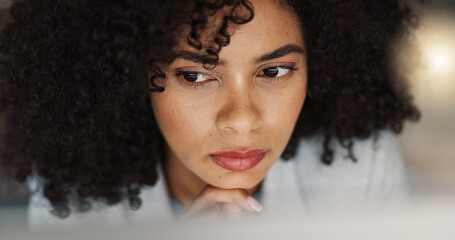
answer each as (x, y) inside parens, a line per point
(275, 72)
(195, 77)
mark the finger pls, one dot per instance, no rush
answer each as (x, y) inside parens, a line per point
(231, 209)
(203, 204)
(198, 209)
(210, 195)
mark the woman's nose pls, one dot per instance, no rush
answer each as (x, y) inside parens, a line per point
(239, 113)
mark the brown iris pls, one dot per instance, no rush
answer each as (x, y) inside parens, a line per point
(271, 72)
(190, 77)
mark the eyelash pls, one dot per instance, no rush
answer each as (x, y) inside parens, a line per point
(197, 85)
(188, 84)
(284, 77)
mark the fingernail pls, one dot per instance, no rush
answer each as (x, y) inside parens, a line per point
(254, 204)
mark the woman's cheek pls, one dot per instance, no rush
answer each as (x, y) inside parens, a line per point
(285, 106)
(183, 121)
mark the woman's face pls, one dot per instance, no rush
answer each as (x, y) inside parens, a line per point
(249, 101)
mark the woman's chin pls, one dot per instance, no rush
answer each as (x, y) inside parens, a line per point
(234, 181)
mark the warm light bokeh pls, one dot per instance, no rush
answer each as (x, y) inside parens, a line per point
(427, 60)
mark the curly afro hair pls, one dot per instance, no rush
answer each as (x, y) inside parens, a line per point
(75, 84)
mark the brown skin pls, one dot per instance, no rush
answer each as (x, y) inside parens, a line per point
(237, 107)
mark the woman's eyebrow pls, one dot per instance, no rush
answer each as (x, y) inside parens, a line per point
(205, 59)
(197, 57)
(280, 52)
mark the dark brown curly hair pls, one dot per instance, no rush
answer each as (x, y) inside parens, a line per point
(75, 85)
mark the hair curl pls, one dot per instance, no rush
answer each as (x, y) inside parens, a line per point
(75, 83)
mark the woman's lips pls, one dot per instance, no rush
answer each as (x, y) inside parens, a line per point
(238, 160)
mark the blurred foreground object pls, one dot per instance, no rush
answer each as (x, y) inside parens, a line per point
(423, 219)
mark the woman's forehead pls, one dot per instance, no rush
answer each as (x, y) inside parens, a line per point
(272, 27)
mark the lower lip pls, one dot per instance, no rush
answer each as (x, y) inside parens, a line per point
(238, 164)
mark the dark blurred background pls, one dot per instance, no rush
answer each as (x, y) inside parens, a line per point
(13, 196)
(11, 193)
